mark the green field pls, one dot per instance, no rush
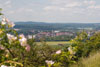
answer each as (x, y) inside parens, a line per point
(55, 42)
(55, 45)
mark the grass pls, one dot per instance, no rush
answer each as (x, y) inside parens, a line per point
(55, 42)
(91, 61)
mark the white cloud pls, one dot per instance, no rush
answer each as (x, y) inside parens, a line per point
(78, 10)
(70, 5)
(51, 10)
(94, 7)
(21, 10)
(73, 4)
(62, 5)
(7, 2)
(57, 2)
(11, 12)
(89, 2)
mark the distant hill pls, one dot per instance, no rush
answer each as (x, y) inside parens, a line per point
(55, 26)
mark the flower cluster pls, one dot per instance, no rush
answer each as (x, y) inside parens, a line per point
(11, 38)
(58, 52)
(23, 42)
(49, 62)
(6, 21)
(3, 21)
(3, 66)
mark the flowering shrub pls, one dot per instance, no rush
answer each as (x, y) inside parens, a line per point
(15, 50)
(9, 42)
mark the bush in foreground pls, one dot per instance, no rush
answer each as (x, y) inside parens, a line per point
(91, 61)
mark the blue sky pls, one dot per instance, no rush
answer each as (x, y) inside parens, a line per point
(82, 11)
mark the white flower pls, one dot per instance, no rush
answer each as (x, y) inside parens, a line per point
(49, 62)
(11, 24)
(3, 23)
(28, 48)
(22, 40)
(11, 37)
(3, 19)
(70, 49)
(3, 66)
(7, 20)
(1, 48)
(21, 36)
(58, 52)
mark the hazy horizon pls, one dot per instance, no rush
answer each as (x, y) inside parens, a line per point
(56, 22)
(54, 11)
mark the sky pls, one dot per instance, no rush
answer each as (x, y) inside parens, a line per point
(67, 11)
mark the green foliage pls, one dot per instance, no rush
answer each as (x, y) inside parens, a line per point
(0, 11)
(91, 61)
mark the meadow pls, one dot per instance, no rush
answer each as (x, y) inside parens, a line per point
(55, 43)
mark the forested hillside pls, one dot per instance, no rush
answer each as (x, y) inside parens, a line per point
(55, 26)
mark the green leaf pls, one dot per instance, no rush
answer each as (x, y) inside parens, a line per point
(15, 59)
(0, 9)
(1, 14)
